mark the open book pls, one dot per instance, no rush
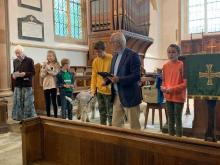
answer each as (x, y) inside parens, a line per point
(105, 74)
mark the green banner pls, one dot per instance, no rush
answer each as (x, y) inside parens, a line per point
(203, 76)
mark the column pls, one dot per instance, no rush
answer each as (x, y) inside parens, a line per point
(5, 78)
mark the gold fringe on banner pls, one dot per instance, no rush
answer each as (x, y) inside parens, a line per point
(204, 97)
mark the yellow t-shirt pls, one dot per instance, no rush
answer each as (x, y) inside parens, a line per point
(100, 65)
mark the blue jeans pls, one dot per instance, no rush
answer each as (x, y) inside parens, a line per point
(66, 106)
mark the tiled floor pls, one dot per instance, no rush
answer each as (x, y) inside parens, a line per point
(10, 149)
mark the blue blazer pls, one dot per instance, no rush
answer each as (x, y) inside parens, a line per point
(129, 76)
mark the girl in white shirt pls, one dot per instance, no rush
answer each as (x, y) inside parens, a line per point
(48, 73)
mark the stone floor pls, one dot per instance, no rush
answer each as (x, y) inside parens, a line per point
(10, 143)
(10, 149)
(186, 119)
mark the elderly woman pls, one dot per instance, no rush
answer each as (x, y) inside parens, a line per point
(23, 102)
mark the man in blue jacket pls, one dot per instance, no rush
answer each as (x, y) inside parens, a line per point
(126, 91)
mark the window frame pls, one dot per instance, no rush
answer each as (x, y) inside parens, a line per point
(69, 39)
(205, 21)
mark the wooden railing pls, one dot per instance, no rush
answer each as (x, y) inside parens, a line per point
(60, 142)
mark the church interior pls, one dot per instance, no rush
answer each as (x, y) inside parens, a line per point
(71, 29)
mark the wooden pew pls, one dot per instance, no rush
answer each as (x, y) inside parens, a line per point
(56, 141)
(39, 101)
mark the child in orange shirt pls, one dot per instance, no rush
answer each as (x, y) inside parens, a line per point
(174, 89)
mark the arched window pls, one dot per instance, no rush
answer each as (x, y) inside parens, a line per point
(203, 16)
(69, 20)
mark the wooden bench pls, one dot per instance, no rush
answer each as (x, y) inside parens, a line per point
(61, 142)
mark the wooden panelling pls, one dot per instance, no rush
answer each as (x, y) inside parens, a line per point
(119, 15)
(107, 17)
(68, 142)
(3, 117)
(209, 44)
(105, 37)
(39, 101)
(136, 42)
(200, 121)
(32, 136)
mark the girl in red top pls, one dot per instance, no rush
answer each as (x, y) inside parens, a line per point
(174, 89)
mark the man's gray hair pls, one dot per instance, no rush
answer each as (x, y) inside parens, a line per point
(20, 48)
(119, 38)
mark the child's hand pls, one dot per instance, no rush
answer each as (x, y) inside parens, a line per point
(114, 79)
(163, 89)
(169, 90)
(66, 86)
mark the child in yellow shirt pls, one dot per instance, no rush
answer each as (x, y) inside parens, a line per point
(102, 63)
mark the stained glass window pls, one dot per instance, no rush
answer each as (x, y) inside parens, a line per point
(68, 18)
(203, 16)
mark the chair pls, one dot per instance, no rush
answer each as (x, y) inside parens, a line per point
(153, 96)
(154, 106)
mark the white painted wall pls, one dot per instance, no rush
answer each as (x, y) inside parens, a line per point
(164, 24)
(169, 26)
(153, 58)
(76, 53)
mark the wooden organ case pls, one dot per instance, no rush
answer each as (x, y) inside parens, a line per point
(128, 16)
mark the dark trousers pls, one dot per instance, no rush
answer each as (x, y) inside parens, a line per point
(175, 111)
(66, 106)
(210, 131)
(51, 94)
(105, 108)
